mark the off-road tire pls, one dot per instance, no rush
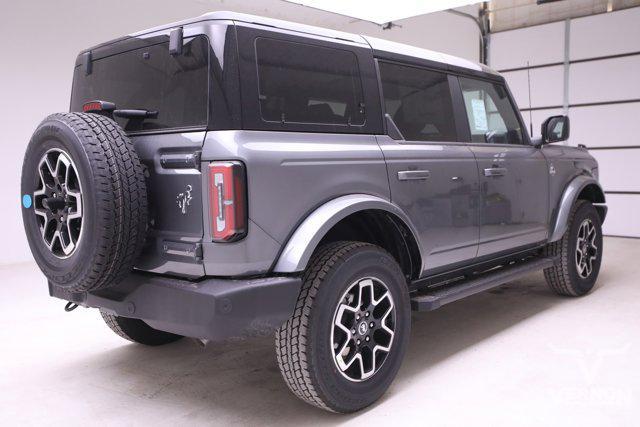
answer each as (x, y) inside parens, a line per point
(303, 347)
(563, 278)
(136, 330)
(114, 200)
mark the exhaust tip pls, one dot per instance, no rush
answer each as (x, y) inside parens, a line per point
(201, 342)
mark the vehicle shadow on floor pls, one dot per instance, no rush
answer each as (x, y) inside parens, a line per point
(440, 334)
(240, 382)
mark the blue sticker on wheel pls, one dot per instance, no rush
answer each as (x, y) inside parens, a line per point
(26, 201)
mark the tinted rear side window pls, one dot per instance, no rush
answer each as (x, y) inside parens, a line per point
(301, 83)
(419, 101)
(150, 78)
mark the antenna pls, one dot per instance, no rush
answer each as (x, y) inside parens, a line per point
(530, 115)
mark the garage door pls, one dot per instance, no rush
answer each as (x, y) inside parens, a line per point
(588, 68)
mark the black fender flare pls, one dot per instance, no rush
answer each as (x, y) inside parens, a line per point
(568, 199)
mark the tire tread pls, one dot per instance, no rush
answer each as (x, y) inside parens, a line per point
(137, 331)
(557, 276)
(120, 190)
(292, 337)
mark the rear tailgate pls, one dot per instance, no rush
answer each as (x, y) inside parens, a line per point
(174, 185)
(176, 89)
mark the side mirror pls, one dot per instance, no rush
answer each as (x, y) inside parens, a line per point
(555, 129)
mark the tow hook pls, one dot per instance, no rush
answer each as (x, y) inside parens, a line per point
(70, 306)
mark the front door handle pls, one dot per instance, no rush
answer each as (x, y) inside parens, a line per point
(413, 175)
(495, 171)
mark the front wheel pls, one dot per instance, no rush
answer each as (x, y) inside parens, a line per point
(579, 252)
(345, 342)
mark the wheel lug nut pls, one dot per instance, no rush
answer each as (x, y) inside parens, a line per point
(367, 338)
(358, 342)
(371, 325)
(357, 317)
(366, 314)
(353, 331)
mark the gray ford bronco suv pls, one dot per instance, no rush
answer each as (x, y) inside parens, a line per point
(232, 176)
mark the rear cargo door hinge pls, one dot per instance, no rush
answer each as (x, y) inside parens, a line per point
(87, 63)
(175, 41)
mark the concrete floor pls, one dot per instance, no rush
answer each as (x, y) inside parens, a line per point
(517, 355)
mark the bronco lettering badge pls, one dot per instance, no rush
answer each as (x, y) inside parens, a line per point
(184, 199)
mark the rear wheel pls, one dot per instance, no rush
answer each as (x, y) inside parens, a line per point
(579, 252)
(345, 342)
(136, 330)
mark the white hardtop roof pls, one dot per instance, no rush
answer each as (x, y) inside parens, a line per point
(375, 43)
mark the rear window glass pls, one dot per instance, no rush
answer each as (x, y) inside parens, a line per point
(301, 83)
(419, 101)
(151, 79)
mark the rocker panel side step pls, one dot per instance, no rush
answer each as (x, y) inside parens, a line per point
(436, 298)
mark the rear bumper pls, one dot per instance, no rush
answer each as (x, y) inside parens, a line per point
(213, 309)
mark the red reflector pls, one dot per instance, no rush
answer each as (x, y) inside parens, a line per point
(227, 201)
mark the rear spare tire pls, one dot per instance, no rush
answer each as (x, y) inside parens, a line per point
(84, 201)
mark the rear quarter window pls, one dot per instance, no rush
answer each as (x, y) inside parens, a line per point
(303, 83)
(151, 78)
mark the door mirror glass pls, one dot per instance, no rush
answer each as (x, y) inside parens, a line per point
(555, 129)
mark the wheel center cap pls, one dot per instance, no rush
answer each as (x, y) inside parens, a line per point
(363, 328)
(54, 203)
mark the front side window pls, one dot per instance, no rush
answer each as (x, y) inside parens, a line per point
(419, 102)
(490, 113)
(301, 83)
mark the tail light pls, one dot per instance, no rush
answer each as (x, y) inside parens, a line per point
(227, 201)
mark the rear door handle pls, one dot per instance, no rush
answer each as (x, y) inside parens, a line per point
(495, 171)
(413, 175)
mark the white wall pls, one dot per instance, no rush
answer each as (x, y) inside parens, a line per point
(512, 14)
(610, 81)
(40, 40)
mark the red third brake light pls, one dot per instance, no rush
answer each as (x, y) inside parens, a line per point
(98, 106)
(91, 106)
(227, 201)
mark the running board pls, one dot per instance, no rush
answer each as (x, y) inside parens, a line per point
(435, 298)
